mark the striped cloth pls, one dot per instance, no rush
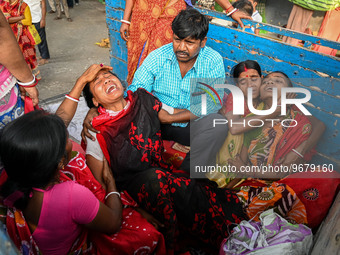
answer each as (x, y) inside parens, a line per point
(318, 5)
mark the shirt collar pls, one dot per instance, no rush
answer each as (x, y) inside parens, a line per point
(255, 13)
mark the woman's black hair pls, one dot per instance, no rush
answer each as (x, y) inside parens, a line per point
(190, 23)
(244, 6)
(243, 66)
(88, 94)
(31, 147)
(289, 82)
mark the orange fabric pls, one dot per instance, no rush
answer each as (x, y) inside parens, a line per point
(298, 21)
(330, 30)
(280, 197)
(150, 22)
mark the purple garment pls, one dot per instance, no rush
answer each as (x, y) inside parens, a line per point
(270, 236)
(188, 2)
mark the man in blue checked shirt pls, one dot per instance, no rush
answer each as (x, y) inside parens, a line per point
(172, 73)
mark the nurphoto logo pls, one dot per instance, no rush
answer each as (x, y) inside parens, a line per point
(238, 104)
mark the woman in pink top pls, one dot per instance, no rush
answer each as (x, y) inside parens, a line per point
(51, 197)
(33, 149)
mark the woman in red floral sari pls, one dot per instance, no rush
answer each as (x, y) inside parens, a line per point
(35, 189)
(130, 140)
(14, 11)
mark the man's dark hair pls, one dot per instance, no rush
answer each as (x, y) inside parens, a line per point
(244, 6)
(190, 23)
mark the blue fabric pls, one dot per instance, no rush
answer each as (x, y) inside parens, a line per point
(160, 75)
(13, 112)
(188, 2)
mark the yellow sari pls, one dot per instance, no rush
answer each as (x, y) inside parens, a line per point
(232, 146)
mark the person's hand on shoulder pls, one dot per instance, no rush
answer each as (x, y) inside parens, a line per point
(88, 126)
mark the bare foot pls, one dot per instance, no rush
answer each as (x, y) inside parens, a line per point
(69, 20)
(56, 18)
(42, 62)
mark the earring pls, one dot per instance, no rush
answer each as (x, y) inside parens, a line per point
(61, 166)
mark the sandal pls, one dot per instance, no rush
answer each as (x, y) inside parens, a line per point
(69, 20)
(56, 18)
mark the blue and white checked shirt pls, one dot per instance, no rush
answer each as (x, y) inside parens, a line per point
(160, 75)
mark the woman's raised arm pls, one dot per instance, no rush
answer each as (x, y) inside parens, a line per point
(68, 107)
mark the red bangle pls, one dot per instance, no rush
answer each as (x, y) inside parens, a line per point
(232, 12)
(72, 98)
(31, 86)
(227, 10)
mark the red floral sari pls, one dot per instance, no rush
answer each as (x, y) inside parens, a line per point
(19, 30)
(132, 144)
(136, 235)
